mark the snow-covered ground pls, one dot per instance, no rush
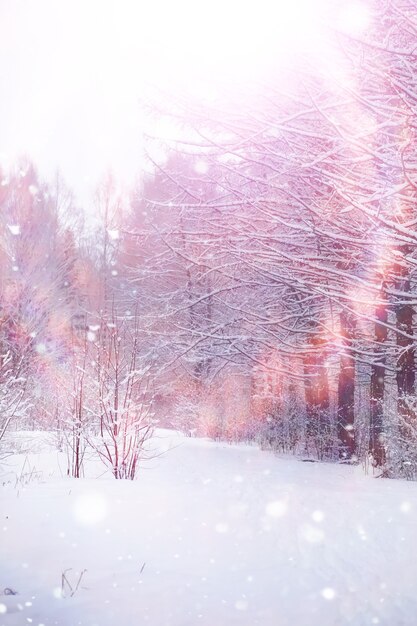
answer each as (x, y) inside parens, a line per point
(209, 534)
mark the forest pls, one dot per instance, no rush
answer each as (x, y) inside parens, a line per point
(208, 313)
(256, 283)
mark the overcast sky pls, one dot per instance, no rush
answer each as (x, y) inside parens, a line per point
(72, 72)
(70, 81)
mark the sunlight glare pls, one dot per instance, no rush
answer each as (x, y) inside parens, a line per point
(186, 36)
(354, 18)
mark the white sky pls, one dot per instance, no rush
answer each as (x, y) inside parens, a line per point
(69, 90)
(72, 72)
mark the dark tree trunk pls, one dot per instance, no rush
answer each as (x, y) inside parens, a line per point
(376, 431)
(406, 358)
(316, 392)
(346, 388)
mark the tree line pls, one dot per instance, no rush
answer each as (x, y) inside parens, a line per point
(258, 283)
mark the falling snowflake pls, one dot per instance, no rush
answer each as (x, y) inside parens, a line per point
(328, 593)
(317, 516)
(277, 508)
(201, 167)
(222, 528)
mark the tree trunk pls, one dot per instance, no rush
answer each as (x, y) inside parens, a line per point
(346, 388)
(405, 364)
(317, 395)
(376, 430)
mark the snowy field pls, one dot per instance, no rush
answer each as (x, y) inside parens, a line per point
(209, 534)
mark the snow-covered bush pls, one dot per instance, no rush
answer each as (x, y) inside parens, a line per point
(186, 409)
(120, 396)
(281, 429)
(321, 438)
(210, 423)
(401, 441)
(14, 403)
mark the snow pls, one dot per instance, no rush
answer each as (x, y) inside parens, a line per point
(113, 234)
(14, 229)
(209, 534)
